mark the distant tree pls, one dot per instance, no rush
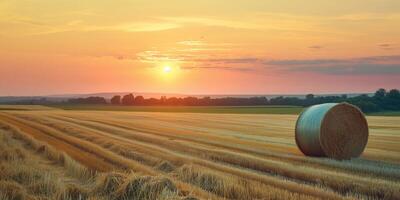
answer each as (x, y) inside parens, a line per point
(139, 100)
(205, 101)
(190, 101)
(116, 100)
(309, 96)
(310, 100)
(128, 100)
(88, 100)
(163, 100)
(380, 101)
(152, 102)
(392, 100)
(394, 94)
(172, 101)
(380, 94)
(367, 106)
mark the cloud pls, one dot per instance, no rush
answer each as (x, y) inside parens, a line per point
(191, 43)
(127, 27)
(243, 69)
(189, 60)
(197, 61)
(241, 60)
(144, 26)
(30, 22)
(195, 51)
(355, 69)
(374, 65)
(304, 62)
(386, 46)
(154, 56)
(207, 21)
(316, 47)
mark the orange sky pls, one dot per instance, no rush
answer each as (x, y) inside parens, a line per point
(211, 46)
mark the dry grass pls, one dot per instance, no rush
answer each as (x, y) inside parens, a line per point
(108, 183)
(178, 156)
(12, 191)
(24, 176)
(146, 187)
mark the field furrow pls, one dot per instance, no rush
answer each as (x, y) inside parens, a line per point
(245, 156)
(178, 155)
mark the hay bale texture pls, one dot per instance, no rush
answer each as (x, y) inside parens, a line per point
(338, 131)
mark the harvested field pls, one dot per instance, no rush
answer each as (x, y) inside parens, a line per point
(135, 155)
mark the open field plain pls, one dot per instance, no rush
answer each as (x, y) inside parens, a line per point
(151, 155)
(189, 109)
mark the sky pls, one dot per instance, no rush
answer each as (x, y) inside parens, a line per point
(198, 47)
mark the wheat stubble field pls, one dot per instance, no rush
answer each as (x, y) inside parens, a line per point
(58, 154)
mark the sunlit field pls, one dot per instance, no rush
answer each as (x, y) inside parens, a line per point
(190, 109)
(294, 110)
(80, 154)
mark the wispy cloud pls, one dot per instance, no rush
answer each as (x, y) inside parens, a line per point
(210, 21)
(189, 60)
(242, 69)
(355, 69)
(191, 51)
(154, 56)
(126, 27)
(241, 60)
(143, 26)
(373, 65)
(30, 21)
(316, 47)
(386, 46)
(191, 43)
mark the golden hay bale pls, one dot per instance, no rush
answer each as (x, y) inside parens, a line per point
(338, 131)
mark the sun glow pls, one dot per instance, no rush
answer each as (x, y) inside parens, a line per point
(168, 72)
(167, 69)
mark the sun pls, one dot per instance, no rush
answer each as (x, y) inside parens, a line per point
(167, 69)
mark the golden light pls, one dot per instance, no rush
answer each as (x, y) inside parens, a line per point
(167, 69)
(167, 72)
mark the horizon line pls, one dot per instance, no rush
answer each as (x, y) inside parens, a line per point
(187, 94)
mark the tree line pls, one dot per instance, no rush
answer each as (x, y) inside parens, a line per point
(382, 100)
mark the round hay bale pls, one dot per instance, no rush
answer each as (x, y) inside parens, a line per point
(333, 130)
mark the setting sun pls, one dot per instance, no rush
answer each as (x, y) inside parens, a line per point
(167, 69)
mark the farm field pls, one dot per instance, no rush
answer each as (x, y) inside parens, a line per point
(294, 110)
(386, 113)
(190, 109)
(165, 155)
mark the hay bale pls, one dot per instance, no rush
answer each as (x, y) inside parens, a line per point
(338, 131)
